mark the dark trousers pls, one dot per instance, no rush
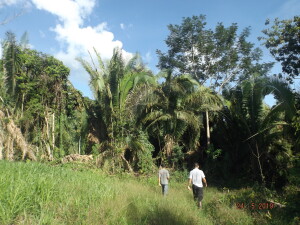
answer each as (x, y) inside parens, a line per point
(164, 188)
(198, 193)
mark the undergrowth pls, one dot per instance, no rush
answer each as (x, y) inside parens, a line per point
(34, 193)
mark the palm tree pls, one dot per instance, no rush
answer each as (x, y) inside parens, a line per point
(112, 82)
(252, 130)
(11, 62)
(172, 111)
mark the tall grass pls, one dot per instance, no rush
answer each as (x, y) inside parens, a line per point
(33, 193)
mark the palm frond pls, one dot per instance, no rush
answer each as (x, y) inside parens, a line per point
(100, 61)
(267, 129)
(203, 100)
(156, 116)
(189, 118)
(97, 82)
(283, 93)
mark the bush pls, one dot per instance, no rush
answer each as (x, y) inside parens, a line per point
(145, 162)
(35, 193)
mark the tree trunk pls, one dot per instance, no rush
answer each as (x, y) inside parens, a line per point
(259, 163)
(169, 144)
(60, 134)
(53, 133)
(19, 139)
(48, 150)
(1, 145)
(47, 125)
(15, 136)
(126, 163)
(8, 140)
(9, 149)
(1, 134)
(158, 138)
(207, 129)
(22, 107)
(256, 163)
(79, 145)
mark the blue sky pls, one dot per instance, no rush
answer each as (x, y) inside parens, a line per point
(69, 28)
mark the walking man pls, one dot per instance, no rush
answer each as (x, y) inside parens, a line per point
(195, 179)
(163, 179)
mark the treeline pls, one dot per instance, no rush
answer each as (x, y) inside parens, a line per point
(206, 105)
(38, 98)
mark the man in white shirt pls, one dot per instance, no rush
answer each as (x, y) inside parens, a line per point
(195, 179)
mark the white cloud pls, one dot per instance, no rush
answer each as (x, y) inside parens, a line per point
(75, 38)
(42, 34)
(80, 40)
(8, 2)
(31, 46)
(68, 11)
(24, 3)
(122, 25)
(21, 4)
(288, 10)
(148, 57)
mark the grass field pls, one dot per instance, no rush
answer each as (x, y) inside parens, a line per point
(34, 193)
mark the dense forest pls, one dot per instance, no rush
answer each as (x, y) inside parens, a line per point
(207, 105)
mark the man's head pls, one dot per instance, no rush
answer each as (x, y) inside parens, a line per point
(196, 165)
(162, 165)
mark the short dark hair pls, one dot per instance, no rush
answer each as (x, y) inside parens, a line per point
(162, 165)
(196, 164)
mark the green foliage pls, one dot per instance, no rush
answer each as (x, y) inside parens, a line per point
(252, 142)
(11, 62)
(213, 153)
(251, 134)
(177, 157)
(217, 208)
(180, 176)
(144, 153)
(217, 57)
(171, 113)
(266, 206)
(111, 83)
(291, 195)
(47, 108)
(283, 41)
(296, 125)
(54, 95)
(36, 193)
(95, 149)
(2, 83)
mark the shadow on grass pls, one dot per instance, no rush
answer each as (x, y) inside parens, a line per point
(156, 215)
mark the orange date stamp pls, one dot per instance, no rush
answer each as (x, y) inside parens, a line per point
(255, 206)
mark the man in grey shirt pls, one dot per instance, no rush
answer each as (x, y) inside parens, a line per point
(163, 179)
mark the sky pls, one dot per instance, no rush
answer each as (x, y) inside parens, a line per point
(68, 29)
